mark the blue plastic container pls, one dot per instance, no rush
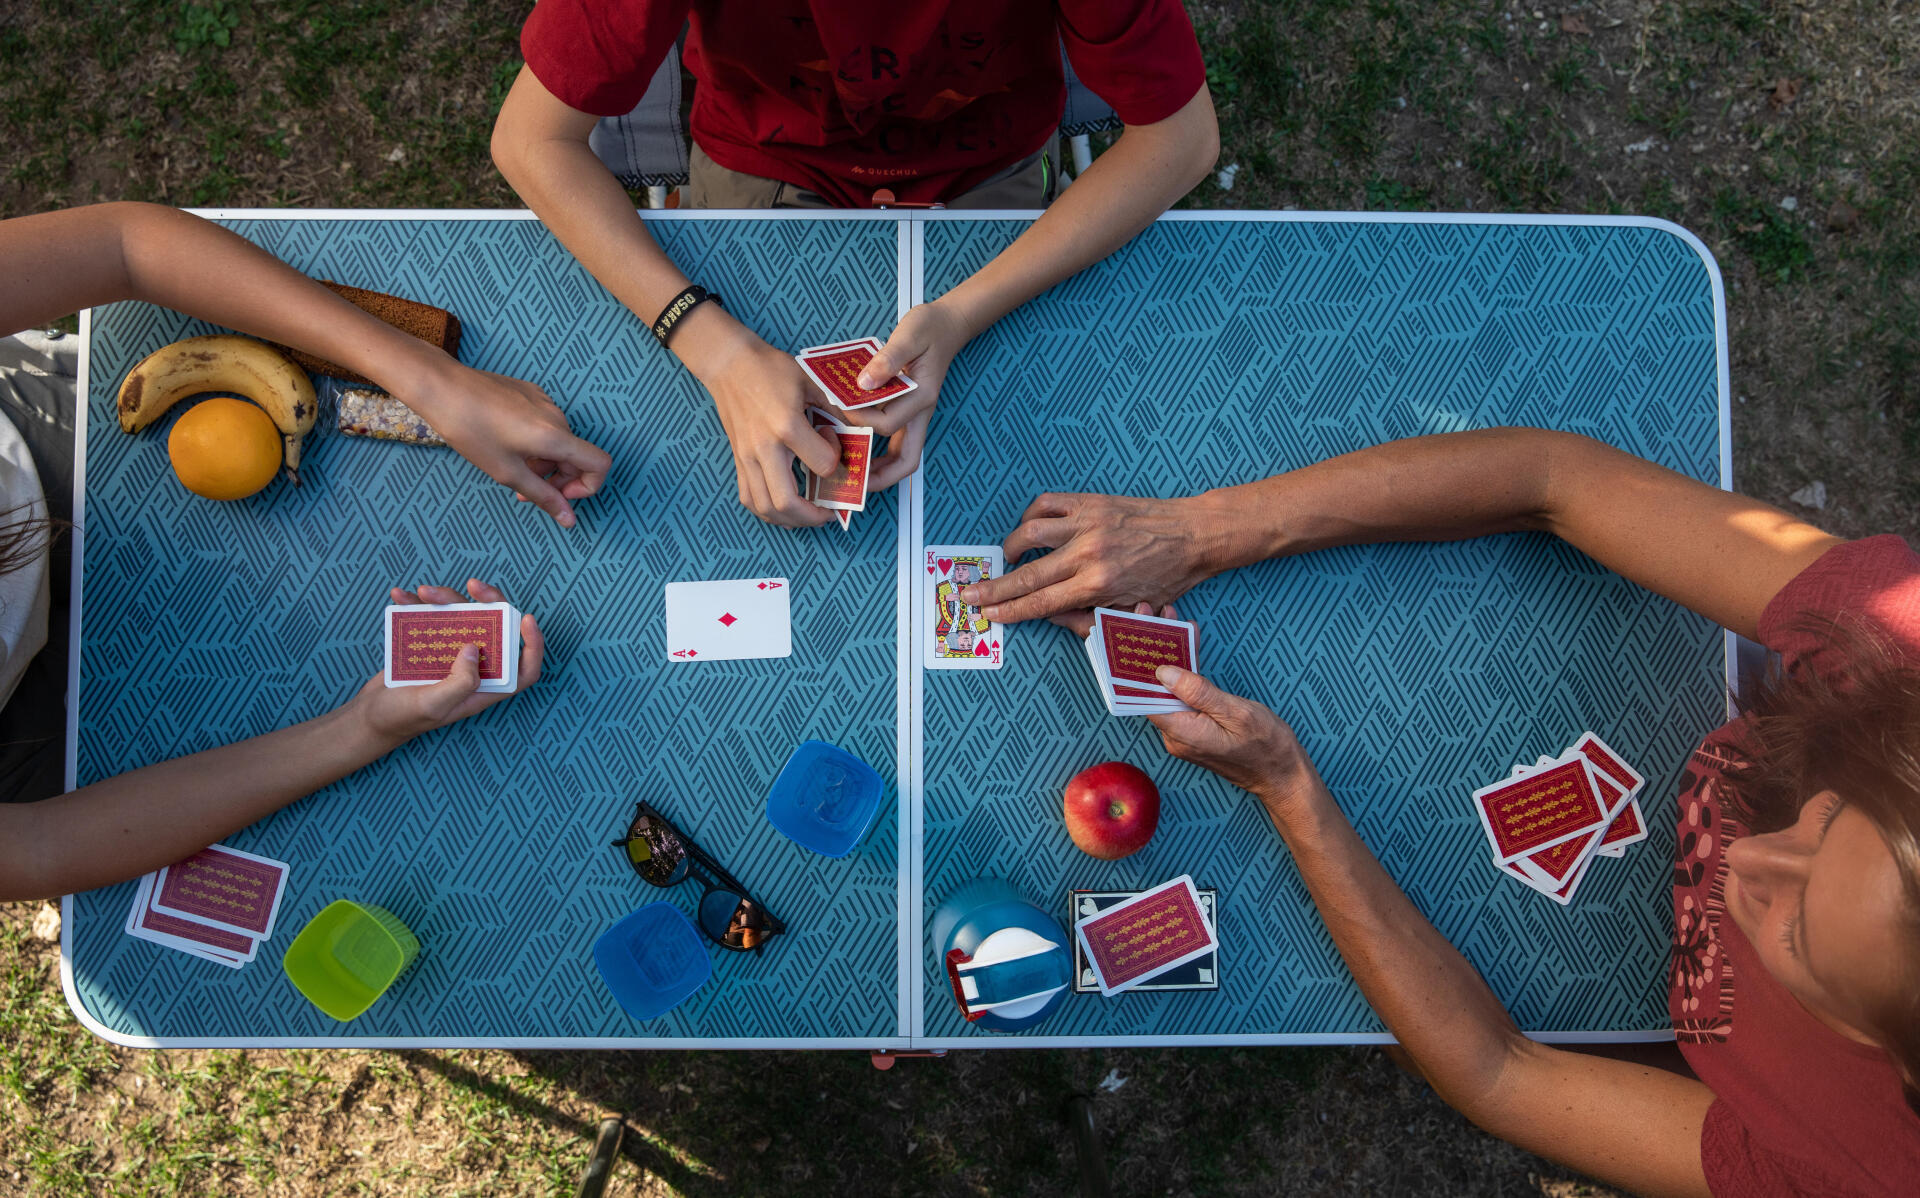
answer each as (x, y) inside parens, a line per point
(1007, 961)
(652, 960)
(825, 799)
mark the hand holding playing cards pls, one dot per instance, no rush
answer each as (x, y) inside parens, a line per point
(515, 434)
(1108, 551)
(401, 713)
(921, 348)
(1236, 738)
(762, 399)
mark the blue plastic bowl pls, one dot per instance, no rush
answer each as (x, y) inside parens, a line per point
(652, 960)
(825, 799)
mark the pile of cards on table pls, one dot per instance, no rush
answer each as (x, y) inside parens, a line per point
(218, 904)
(1548, 821)
(843, 492)
(1202, 972)
(1143, 937)
(424, 639)
(1125, 650)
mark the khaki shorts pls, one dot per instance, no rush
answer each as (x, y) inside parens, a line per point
(1029, 183)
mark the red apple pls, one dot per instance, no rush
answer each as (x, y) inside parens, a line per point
(1111, 810)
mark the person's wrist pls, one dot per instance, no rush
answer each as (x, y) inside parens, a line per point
(708, 340)
(1215, 534)
(419, 374)
(963, 317)
(370, 728)
(1291, 787)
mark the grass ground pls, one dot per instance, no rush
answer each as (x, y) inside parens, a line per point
(1786, 135)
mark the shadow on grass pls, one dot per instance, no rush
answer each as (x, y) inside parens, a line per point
(719, 1123)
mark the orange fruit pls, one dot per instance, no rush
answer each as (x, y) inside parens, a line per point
(224, 448)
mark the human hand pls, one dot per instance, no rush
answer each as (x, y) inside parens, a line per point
(1236, 738)
(401, 713)
(513, 432)
(922, 347)
(1108, 551)
(762, 399)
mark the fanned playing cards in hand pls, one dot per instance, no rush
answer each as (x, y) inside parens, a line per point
(1125, 649)
(835, 369)
(423, 641)
(1548, 821)
(843, 492)
(957, 636)
(219, 905)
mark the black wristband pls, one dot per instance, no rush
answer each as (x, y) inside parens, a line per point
(682, 304)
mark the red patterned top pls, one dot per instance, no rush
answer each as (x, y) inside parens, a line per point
(1798, 1107)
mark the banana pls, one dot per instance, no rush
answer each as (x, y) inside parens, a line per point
(223, 362)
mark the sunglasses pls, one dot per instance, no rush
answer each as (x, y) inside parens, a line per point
(664, 856)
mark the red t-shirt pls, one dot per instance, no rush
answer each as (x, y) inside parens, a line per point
(927, 100)
(1798, 1107)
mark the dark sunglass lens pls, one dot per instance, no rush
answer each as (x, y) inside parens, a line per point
(732, 921)
(656, 853)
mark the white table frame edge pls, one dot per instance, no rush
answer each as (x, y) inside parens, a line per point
(910, 997)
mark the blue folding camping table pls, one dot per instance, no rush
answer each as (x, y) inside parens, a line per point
(1214, 349)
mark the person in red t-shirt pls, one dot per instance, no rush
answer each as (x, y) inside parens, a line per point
(1795, 984)
(835, 103)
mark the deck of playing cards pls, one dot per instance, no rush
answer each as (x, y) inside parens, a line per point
(843, 492)
(1548, 821)
(218, 904)
(1145, 936)
(1201, 973)
(958, 636)
(1125, 649)
(835, 369)
(423, 640)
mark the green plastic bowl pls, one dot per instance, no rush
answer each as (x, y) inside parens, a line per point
(347, 956)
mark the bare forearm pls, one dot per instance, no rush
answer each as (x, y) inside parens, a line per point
(586, 209)
(1120, 194)
(1437, 488)
(1720, 554)
(136, 822)
(65, 261)
(1427, 994)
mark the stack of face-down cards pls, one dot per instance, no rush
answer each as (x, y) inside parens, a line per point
(424, 640)
(218, 904)
(1125, 650)
(1548, 821)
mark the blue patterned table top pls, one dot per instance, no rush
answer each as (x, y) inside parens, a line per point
(1213, 352)
(1207, 352)
(491, 839)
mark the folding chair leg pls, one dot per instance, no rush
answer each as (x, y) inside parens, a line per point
(1078, 1113)
(606, 1150)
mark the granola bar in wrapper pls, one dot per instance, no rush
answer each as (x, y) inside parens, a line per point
(365, 413)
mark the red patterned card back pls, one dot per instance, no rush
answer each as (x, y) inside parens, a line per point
(425, 643)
